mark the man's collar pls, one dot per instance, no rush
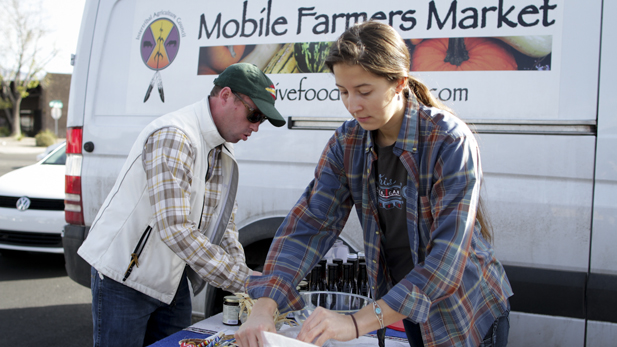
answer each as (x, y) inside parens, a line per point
(208, 127)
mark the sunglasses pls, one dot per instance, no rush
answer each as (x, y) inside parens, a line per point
(254, 116)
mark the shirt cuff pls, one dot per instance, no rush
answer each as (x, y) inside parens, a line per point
(276, 288)
(413, 304)
(238, 284)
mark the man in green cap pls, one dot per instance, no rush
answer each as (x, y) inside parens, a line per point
(170, 214)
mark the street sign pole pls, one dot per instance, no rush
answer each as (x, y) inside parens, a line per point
(56, 111)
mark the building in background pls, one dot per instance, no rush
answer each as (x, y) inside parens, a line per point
(55, 86)
(35, 110)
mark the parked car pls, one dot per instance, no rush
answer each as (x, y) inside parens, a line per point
(32, 206)
(49, 149)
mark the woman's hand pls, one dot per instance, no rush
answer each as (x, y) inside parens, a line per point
(324, 324)
(261, 319)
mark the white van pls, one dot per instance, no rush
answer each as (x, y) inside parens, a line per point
(538, 87)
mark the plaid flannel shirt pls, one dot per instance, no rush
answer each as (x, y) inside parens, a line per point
(460, 288)
(168, 159)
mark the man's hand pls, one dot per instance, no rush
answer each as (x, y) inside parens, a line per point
(261, 319)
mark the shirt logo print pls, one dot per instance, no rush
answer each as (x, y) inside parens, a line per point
(389, 193)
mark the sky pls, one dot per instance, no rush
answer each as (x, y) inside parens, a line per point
(63, 20)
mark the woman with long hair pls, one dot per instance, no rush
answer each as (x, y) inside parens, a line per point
(412, 170)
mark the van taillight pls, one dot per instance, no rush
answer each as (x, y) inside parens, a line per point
(73, 141)
(73, 208)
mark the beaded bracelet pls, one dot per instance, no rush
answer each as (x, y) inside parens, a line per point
(378, 313)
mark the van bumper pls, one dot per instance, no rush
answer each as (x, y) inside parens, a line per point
(76, 267)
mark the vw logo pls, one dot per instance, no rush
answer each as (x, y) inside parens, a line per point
(23, 203)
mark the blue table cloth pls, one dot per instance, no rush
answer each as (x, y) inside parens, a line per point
(213, 325)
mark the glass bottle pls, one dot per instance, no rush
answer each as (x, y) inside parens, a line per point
(324, 271)
(339, 272)
(361, 257)
(353, 259)
(323, 282)
(332, 277)
(348, 281)
(363, 284)
(332, 287)
(315, 278)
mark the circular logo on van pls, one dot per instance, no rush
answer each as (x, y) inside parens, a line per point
(160, 44)
(159, 47)
(23, 203)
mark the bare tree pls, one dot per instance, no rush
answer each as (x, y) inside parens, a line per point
(23, 55)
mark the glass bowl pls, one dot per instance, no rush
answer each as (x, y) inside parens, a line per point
(343, 303)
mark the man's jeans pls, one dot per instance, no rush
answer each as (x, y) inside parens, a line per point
(497, 335)
(125, 317)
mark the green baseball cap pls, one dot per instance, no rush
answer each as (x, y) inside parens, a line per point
(247, 79)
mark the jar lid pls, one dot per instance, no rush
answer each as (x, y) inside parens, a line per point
(231, 298)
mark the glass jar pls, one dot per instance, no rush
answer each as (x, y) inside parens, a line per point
(231, 310)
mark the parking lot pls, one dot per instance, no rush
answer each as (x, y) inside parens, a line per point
(39, 305)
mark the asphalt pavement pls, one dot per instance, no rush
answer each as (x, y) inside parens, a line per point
(39, 304)
(15, 154)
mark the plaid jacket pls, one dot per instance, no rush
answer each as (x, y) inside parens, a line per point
(460, 288)
(168, 158)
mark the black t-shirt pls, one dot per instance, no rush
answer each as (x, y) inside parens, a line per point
(391, 182)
